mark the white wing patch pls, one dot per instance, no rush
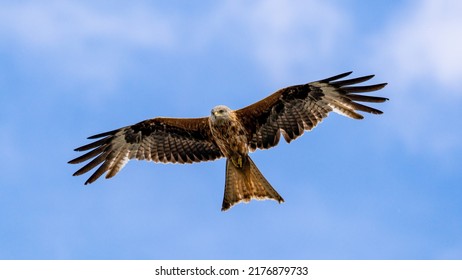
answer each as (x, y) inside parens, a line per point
(118, 162)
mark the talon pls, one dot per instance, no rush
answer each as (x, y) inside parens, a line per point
(237, 162)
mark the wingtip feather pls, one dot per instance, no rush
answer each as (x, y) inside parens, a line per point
(99, 135)
(336, 77)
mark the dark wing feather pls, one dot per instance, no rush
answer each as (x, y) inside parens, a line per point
(294, 109)
(160, 139)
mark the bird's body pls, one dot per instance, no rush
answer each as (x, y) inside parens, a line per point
(243, 179)
(231, 134)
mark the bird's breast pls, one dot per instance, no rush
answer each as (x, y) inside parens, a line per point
(231, 138)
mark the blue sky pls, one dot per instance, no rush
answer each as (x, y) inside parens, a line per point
(386, 187)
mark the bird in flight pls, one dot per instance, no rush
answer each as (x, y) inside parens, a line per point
(231, 134)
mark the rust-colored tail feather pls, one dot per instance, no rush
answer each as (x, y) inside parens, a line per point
(246, 183)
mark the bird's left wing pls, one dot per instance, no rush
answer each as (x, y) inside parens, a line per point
(294, 109)
(160, 139)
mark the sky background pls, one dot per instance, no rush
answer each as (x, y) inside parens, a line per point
(386, 187)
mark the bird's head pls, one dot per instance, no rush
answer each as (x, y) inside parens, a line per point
(221, 113)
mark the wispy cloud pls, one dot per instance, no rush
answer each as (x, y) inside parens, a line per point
(65, 23)
(423, 43)
(282, 37)
(82, 39)
(420, 53)
(285, 38)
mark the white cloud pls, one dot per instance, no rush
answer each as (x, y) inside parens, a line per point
(420, 52)
(63, 23)
(94, 42)
(285, 38)
(86, 42)
(293, 35)
(424, 42)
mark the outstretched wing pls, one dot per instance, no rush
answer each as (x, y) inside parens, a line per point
(160, 139)
(294, 109)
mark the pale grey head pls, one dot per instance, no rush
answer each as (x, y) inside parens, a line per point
(220, 113)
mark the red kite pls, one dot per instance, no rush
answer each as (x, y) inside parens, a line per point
(231, 134)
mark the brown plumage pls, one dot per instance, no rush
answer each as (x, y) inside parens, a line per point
(231, 134)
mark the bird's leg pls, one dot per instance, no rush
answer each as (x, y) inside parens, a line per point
(238, 161)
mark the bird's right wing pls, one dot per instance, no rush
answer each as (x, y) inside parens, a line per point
(176, 140)
(293, 110)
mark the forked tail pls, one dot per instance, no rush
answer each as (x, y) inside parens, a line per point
(246, 183)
